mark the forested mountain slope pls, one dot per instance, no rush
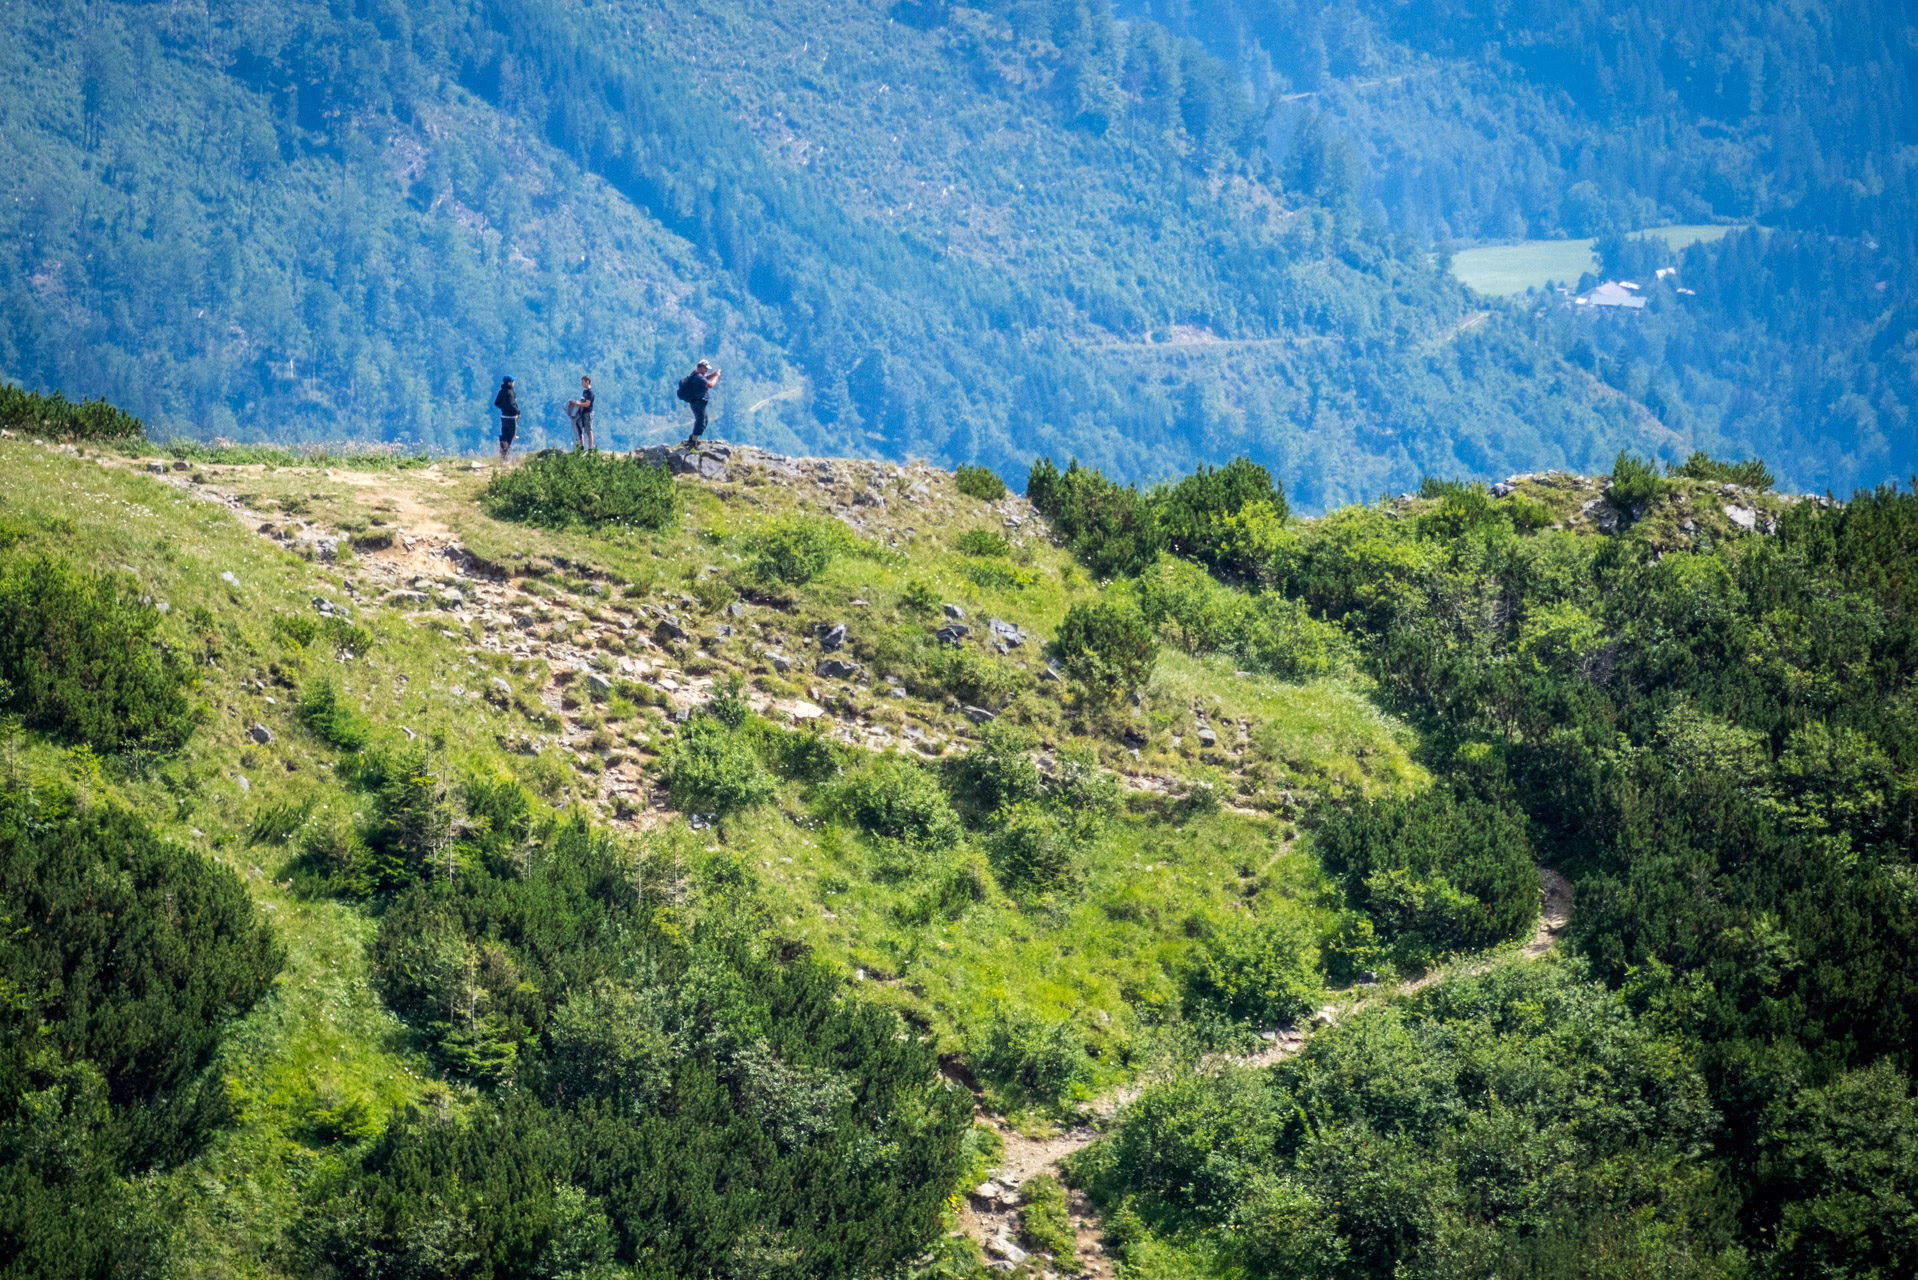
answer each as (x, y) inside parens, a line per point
(1560, 118)
(966, 233)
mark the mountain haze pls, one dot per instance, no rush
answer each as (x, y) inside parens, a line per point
(962, 233)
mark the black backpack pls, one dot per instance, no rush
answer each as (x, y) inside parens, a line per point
(690, 386)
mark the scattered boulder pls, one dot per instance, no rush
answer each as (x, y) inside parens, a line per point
(831, 637)
(260, 734)
(1006, 633)
(838, 669)
(499, 693)
(669, 632)
(781, 662)
(226, 576)
(955, 613)
(979, 715)
(598, 685)
(1207, 738)
(1742, 516)
(869, 497)
(953, 633)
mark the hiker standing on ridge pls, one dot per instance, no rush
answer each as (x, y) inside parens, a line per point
(695, 388)
(507, 402)
(581, 411)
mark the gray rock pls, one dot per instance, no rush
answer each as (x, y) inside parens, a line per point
(1744, 517)
(831, 637)
(453, 600)
(499, 691)
(781, 663)
(1501, 490)
(954, 612)
(869, 498)
(953, 633)
(838, 669)
(260, 734)
(1207, 738)
(326, 548)
(1050, 673)
(711, 468)
(597, 684)
(682, 715)
(227, 577)
(737, 609)
(668, 632)
(242, 780)
(979, 715)
(1006, 633)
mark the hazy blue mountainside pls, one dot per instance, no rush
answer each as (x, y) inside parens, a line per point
(1567, 118)
(984, 233)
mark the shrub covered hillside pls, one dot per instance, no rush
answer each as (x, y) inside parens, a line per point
(729, 872)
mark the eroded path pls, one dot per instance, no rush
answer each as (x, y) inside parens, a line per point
(991, 1212)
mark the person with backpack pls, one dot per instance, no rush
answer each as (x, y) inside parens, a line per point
(507, 402)
(695, 389)
(581, 411)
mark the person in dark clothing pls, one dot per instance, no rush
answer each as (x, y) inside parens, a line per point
(507, 402)
(582, 414)
(696, 389)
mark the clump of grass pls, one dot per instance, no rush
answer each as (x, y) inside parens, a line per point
(359, 457)
(983, 542)
(278, 823)
(562, 490)
(979, 482)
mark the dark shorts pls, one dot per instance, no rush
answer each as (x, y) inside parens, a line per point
(508, 428)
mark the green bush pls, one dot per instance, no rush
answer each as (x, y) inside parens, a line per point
(803, 755)
(1750, 473)
(1635, 482)
(983, 542)
(1105, 648)
(727, 702)
(333, 721)
(997, 773)
(896, 799)
(80, 659)
(125, 952)
(972, 676)
(1191, 514)
(797, 549)
(711, 768)
(1262, 970)
(559, 490)
(1109, 526)
(1044, 1223)
(1437, 873)
(1029, 1061)
(918, 597)
(55, 415)
(1037, 850)
(978, 482)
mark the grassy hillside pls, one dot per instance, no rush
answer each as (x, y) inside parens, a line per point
(673, 868)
